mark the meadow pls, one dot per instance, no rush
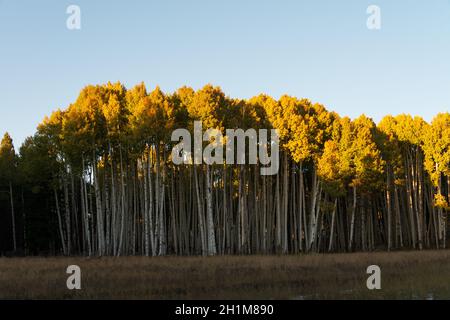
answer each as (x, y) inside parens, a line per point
(404, 275)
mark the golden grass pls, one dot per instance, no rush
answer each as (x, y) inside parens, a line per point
(405, 275)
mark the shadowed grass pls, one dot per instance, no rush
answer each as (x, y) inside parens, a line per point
(405, 275)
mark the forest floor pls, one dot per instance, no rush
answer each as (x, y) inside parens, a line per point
(404, 275)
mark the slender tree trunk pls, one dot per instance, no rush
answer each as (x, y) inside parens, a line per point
(150, 213)
(304, 233)
(67, 214)
(60, 225)
(363, 225)
(418, 198)
(122, 205)
(225, 211)
(440, 214)
(146, 213)
(278, 214)
(352, 223)
(85, 208)
(209, 214)
(162, 209)
(200, 213)
(389, 210)
(76, 238)
(24, 221)
(13, 217)
(333, 219)
(285, 203)
(410, 205)
(313, 216)
(99, 209)
(113, 211)
(399, 228)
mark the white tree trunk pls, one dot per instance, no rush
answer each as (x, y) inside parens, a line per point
(61, 231)
(122, 205)
(146, 211)
(209, 214)
(150, 213)
(333, 219)
(99, 209)
(200, 213)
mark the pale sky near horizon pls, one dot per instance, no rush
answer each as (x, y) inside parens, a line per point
(321, 50)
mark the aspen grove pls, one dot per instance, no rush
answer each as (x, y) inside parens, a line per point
(97, 179)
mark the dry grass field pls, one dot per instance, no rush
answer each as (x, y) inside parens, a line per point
(405, 275)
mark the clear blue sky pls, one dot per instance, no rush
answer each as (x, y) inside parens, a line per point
(318, 49)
